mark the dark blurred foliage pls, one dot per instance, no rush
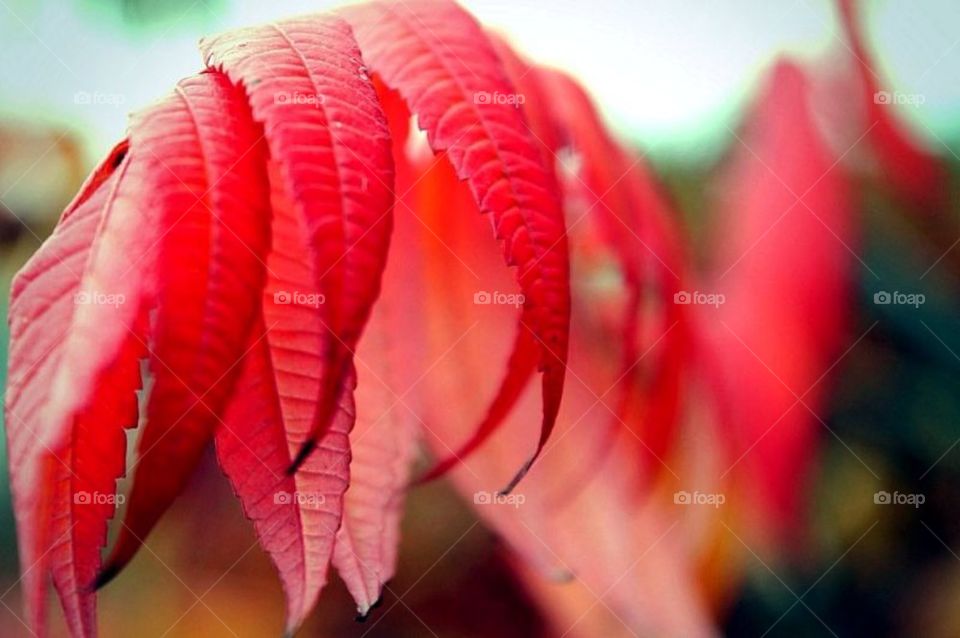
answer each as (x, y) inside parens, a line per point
(895, 412)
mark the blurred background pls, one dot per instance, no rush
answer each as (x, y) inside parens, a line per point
(674, 79)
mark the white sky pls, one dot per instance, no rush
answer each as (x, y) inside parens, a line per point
(669, 73)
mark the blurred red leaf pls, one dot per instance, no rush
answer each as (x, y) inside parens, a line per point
(783, 263)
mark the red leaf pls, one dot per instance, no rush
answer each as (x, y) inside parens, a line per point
(442, 63)
(617, 189)
(384, 440)
(86, 481)
(296, 517)
(208, 177)
(326, 131)
(784, 266)
(272, 413)
(42, 420)
(525, 352)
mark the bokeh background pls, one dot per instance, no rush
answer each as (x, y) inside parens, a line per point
(673, 78)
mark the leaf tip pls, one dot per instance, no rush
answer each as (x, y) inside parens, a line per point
(106, 575)
(364, 613)
(305, 450)
(505, 491)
